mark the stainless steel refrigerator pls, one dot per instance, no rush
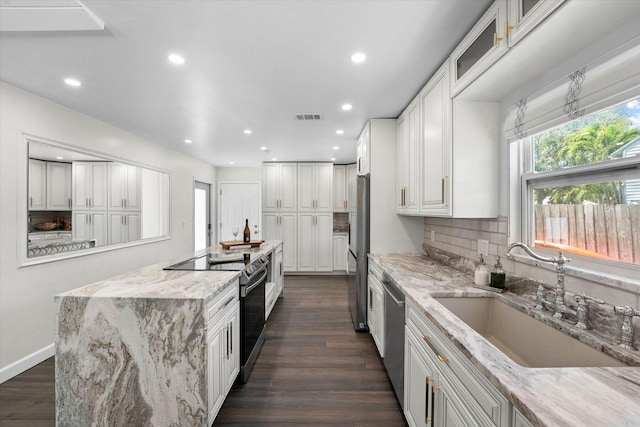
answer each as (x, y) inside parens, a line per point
(358, 250)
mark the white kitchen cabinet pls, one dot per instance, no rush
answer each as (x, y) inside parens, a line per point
(436, 132)
(340, 188)
(315, 242)
(340, 252)
(458, 155)
(90, 225)
(223, 347)
(124, 227)
(279, 271)
(455, 392)
(279, 187)
(58, 186)
(375, 311)
(315, 187)
(283, 226)
(480, 49)
(37, 185)
(125, 182)
(363, 151)
(525, 15)
(519, 420)
(89, 185)
(352, 187)
(408, 158)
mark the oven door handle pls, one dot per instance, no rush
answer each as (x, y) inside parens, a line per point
(258, 283)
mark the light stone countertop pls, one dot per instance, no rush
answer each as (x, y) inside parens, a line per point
(545, 396)
(154, 282)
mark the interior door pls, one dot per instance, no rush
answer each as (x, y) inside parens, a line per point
(239, 201)
(201, 216)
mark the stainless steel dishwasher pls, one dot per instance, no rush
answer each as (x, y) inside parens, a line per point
(394, 337)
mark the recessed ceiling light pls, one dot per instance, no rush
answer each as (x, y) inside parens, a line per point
(273, 159)
(263, 148)
(73, 82)
(188, 141)
(230, 163)
(336, 147)
(247, 131)
(59, 157)
(176, 59)
(340, 132)
(347, 107)
(358, 57)
(333, 159)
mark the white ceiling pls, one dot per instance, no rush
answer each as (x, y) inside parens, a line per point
(249, 65)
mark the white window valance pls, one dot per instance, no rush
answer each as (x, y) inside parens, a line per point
(611, 79)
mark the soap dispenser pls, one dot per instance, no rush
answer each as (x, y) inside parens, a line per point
(482, 274)
(498, 276)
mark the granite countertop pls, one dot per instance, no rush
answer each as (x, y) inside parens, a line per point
(545, 396)
(154, 282)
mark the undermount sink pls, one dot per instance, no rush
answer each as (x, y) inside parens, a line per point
(525, 340)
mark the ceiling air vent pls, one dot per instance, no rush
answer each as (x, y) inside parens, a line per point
(308, 116)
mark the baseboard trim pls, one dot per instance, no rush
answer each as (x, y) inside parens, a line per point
(28, 362)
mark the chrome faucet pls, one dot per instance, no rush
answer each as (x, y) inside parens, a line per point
(559, 304)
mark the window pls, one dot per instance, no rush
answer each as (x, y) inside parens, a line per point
(581, 186)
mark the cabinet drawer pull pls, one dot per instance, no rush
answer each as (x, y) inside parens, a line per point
(442, 194)
(425, 338)
(496, 39)
(507, 27)
(226, 329)
(231, 340)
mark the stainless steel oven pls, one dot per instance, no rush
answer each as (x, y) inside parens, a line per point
(253, 278)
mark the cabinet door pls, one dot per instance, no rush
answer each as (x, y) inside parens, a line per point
(339, 188)
(134, 231)
(232, 364)
(37, 185)
(402, 175)
(352, 184)
(117, 228)
(270, 182)
(117, 185)
(323, 186)
(58, 186)
(445, 413)
(306, 241)
(270, 226)
(480, 49)
(413, 157)
(418, 379)
(98, 197)
(133, 188)
(378, 304)
(288, 225)
(324, 242)
(525, 15)
(371, 317)
(216, 355)
(306, 193)
(339, 253)
(288, 185)
(80, 185)
(436, 127)
(364, 142)
(81, 226)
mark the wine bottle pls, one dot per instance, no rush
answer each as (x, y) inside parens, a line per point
(247, 232)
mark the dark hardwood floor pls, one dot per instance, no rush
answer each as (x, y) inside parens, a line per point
(314, 369)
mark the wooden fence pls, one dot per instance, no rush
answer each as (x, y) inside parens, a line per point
(609, 230)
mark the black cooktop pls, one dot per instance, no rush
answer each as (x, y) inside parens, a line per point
(213, 262)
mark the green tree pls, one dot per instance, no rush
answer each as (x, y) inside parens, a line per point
(587, 141)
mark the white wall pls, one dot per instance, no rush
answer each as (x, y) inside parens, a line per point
(27, 318)
(239, 174)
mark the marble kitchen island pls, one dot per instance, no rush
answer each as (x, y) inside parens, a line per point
(132, 349)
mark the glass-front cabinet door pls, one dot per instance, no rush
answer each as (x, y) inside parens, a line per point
(525, 15)
(482, 47)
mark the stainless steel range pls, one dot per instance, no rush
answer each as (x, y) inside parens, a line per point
(253, 278)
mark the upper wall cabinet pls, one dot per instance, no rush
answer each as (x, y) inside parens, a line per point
(315, 187)
(408, 158)
(481, 48)
(525, 15)
(340, 188)
(58, 186)
(363, 148)
(124, 187)
(89, 186)
(455, 144)
(37, 185)
(279, 186)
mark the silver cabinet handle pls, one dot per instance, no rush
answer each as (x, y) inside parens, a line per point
(30, 201)
(69, 201)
